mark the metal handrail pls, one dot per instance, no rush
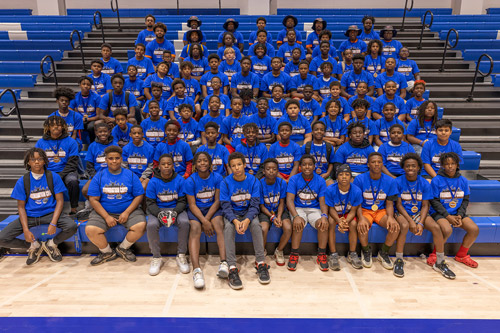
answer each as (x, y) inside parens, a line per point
(446, 45)
(425, 26)
(220, 7)
(177, 7)
(117, 10)
(471, 95)
(80, 46)
(100, 26)
(52, 73)
(404, 14)
(24, 137)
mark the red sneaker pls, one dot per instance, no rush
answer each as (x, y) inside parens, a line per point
(431, 260)
(292, 262)
(467, 260)
(323, 262)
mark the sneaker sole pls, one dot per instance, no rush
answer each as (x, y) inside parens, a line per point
(446, 276)
(398, 275)
(47, 251)
(200, 287)
(121, 255)
(293, 269)
(264, 281)
(105, 260)
(159, 270)
(333, 268)
(384, 264)
(235, 287)
(360, 266)
(277, 263)
(38, 255)
(222, 275)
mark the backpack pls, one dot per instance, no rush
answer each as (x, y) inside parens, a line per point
(110, 100)
(27, 184)
(329, 149)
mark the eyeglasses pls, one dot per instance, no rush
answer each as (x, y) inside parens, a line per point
(36, 159)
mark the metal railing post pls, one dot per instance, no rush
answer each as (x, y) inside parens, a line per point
(425, 26)
(470, 98)
(117, 11)
(404, 14)
(100, 25)
(80, 46)
(446, 45)
(53, 73)
(24, 137)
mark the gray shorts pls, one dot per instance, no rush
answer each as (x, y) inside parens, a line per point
(97, 220)
(264, 218)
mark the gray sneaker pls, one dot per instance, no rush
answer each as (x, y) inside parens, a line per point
(125, 254)
(52, 251)
(34, 255)
(366, 258)
(155, 266)
(354, 260)
(101, 258)
(386, 261)
(333, 262)
(198, 279)
(399, 265)
(443, 268)
(182, 263)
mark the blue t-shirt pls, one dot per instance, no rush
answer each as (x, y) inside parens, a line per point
(344, 106)
(119, 102)
(261, 66)
(173, 71)
(166, 84)
(357, 47)
(282, 38)
(145, 36)
(391, 49)
(251, 81)
(200, 66)
(180, 151)
(206, 118)
(220, 53)
(307, 193)
(266, 124)
(63, 149)
(298, 83)
(350, 81)
(154, 50)
(447, 189)
(192, 88)
(254, 156)
(74, 120)
(174, 102)
(120, 136)
(205, 81)
(233, 128)
(324, 86)
(252, 39)
(300, 127)
(225, 103)
(397, 77)
(270, 51)
(189, 131)
(229, 70)
(316, 63)
(370, 128)
(408, 68)
(95, 154)
(85, 105)
(239, 193)
(166, 194)
(112, 66)
(321, 158)
(357, 158)
(115, 192)
(332, 52)
(351, 100)
(432, 151)
(203, 190)
(154, 131)
(163, 107)
(269, 81)
(138, 157)
(343, 202)
(378, 105)
(238, 35)
(368, 37)
(382, 128)
(135, 87)
(144, 67)
(203, 38)
(310, 109)
(219, 155)
(375, 192)
(413, 193)
(40, 201)
(270, 195)
(249, 109)
(411, 107)
(292, 69)
(374, 66)
(285, 155)
(393, 155)
(285, 52)
(277, 109)
(186, 50)
(426, 132)
(312, 39)
(334, 128)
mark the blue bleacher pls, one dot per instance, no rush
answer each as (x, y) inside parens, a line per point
(15, 11)
(140, 12)
(493, 11)
(32, 55)
(377, 12)
(18, 80)
(8, 67)
(7, 98)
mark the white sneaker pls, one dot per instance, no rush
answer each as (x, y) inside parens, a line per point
(280, 258)
(154, 268)
(182, 263)
(198, 279)
(223, 272)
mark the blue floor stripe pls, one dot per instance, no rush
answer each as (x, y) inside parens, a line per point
(70, 324)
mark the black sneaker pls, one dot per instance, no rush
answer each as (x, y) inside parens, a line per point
(386, 261)
(443, 268)
(292, 262)
(263, 274)
(234, 279)
(399, 268)
(34, 255)
(125, 254)
(52, 251)
(83, 214)
(101, 258)
(366, 258)
(3, 252)
(322, 261)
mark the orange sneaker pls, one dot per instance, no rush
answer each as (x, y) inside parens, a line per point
(467, 260)
(431, 260)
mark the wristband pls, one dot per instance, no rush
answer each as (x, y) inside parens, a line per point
(420, 224)
(53, 224)
(324, 215)
(293, 217)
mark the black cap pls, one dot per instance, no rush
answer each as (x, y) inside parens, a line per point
(231, 20)
(344, 168)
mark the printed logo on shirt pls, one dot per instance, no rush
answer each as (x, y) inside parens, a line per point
(50, 154)
(136, 161)
(307, 196)
(406, 196)
(446, 194)
(241, 86)
(40, 195)
(114, 190)
(276, 113)
(101, 159)
(155, 134)
(271, 199)
(357, 159)
(109, 71)
(260, 68)
(339, 207)
(394, 158)
(368, 196)
(298, 130)
(206, 194)
(167, 195)
(331, 134)
(284, 160)
(241, 198)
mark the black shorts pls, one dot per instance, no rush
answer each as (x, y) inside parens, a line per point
(264, 218)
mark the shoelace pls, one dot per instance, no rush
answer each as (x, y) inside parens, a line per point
(322, 258)
(294, 258)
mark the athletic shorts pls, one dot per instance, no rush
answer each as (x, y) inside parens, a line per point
(96, 220)
(264, 218)
(414, 217)
(204, 211)
(437, 216)
(374, 216)
(310, 215)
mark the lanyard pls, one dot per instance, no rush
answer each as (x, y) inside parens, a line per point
(414, 201)
(56, 151)
(307, 186)
(85, 105)
(449, 189)
(251, 157)
(275, 192)
(375, 195)
(347, 198)
(428, 130)
(317, 155)
(386, 128)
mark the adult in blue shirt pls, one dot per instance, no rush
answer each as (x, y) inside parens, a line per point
(261, 25)
(230, 26)
(290, 22)
(351, 79)
(353, 43)
(313, 38)
(117, 100)
(194, 23)
(193, 37)
(115, 195)
(147, 35)
(391, 46)
(154, 50)
(285, 50)
(42, 205)
(144, 65)
(368, 32)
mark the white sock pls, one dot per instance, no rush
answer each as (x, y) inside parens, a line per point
(440, 257)
(260, 262)
(51, 243)
(399, 255)
(232, 267)
(35, 245)
(107, 249)
(126, 244)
